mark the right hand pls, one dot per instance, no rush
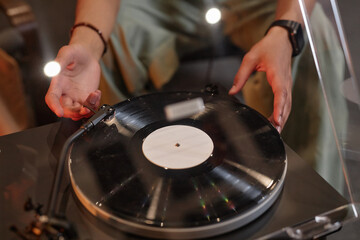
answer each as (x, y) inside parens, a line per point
(76, 85)
(272, 54)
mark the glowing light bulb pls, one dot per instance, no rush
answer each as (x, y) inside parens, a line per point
(213, 15)
(52, 68)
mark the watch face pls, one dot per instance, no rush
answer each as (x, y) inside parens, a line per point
(297, 38)
(300, 39)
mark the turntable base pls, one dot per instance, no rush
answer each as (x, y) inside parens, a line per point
(28, 165)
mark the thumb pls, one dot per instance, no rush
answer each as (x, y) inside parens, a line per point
(65, 57)
(92, 102)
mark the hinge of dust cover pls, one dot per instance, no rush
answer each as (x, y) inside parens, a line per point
(319, 226)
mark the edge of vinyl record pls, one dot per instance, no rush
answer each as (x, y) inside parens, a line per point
(181, 233)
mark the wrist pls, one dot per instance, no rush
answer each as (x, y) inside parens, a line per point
(90, 38)
(294, 32)
(282, 36)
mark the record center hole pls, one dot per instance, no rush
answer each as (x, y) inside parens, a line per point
(177, 145)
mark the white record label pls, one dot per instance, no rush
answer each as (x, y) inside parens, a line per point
(177, 147)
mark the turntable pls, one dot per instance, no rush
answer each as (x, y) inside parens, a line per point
(222, 172)
(196, 177)
(229, 177)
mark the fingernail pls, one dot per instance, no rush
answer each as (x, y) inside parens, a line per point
(84, 111)
(278, 128)
(92, 99)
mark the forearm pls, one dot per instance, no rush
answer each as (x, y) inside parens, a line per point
(290, 10)
(102, 15)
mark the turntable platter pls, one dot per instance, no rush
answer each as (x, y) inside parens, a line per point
(197, 177)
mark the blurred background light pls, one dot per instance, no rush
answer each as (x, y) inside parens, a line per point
(213, 15)
(52, 68)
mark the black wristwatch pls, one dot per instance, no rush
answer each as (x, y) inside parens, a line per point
(296, 36)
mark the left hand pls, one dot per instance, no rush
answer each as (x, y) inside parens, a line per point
(76, 85)
(272, 55)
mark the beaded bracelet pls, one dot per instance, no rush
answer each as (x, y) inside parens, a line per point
(83, 24)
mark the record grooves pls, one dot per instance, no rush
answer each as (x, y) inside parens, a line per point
(233, 170)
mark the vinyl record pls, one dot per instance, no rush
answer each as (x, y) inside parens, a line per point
(196, 177)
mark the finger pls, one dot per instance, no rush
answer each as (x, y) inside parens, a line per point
(282, 99)
(54, 93)
(76, 118)
(66, 102)
(271, 120)
(71, 107)
(287, 110)
(84, 111)
(93, 100)
(91, 104)
(285, 115)
(52, 99)
(247, 67)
